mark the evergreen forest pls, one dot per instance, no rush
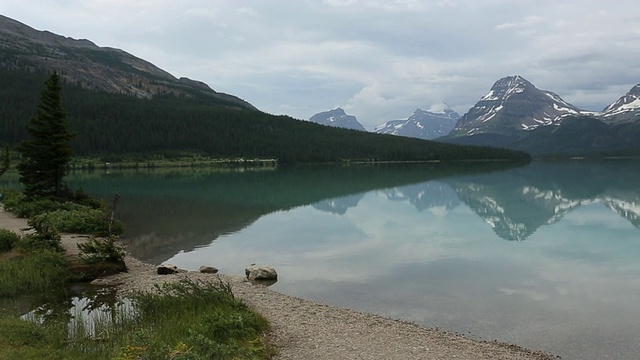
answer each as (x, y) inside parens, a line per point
(108, 125)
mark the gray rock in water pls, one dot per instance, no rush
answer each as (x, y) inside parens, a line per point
(261, 273)
(167, 269)
(208, 269)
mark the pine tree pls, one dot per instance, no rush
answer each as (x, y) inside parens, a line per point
(6, 162)
(47, 151)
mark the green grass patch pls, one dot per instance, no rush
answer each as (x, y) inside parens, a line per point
(36, 272)
(219, 326)
(185, 320)
(20, 339)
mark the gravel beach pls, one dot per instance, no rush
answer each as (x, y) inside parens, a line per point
(303, 329)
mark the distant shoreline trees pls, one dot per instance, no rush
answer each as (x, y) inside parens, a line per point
(112, 126)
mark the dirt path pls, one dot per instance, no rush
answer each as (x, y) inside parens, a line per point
(303, 329)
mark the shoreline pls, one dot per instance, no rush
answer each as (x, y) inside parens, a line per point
(304, 329)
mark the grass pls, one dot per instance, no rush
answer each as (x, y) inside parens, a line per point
(185, 320)
(20, 339)
(33, 272)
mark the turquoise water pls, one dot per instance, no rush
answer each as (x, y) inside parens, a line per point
(544, 256)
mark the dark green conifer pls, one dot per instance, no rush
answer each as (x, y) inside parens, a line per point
(47, 151)
(6, 162)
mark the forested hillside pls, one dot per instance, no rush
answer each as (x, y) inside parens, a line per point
(108, 124)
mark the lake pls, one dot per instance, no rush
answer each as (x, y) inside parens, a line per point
(544, 255)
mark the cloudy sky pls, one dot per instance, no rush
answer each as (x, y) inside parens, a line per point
(377, 59)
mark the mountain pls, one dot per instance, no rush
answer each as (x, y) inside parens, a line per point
(624, 110)
(106, 69)
(513, 105)
(517, 115)
(438, 121)
(337, 118)
(339, 206)
(428, 195)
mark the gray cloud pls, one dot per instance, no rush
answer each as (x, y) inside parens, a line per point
(378, 59)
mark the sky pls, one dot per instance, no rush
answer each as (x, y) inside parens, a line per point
(379, 59)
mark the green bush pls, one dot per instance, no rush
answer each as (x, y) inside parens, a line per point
(23, 207)
(102, 250)
(82, 215)
(8, 239)
(81, 219)
(45, 237)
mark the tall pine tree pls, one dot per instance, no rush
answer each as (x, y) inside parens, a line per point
(47, 151)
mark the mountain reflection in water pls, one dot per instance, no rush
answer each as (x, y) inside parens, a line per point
(516, 203)
(177, 211)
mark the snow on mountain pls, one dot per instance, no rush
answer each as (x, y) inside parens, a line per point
(512, 105)
(438, 121)
(625, 109)
(337, 118)
(627, 208)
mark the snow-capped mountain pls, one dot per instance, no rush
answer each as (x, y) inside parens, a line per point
(624, 110)
(438, 121)
(339, 205)
(337, 118)
(514, 105)
(432, 195)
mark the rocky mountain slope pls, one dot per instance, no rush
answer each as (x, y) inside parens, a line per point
(337, 118)
(84, 63)
(438, 121)
(517, 115)
(624, 110)
(513, 105)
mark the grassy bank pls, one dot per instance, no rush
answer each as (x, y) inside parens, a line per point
(178, 321)
(181, 321)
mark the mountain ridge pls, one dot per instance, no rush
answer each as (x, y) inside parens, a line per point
(93, 67)
(517, 115)
(337, 118)
(438, 121)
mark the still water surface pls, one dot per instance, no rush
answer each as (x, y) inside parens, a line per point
(545, 256)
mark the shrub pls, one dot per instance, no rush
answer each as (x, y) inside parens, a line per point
(8, 239)
(45, 237)
(81, 219)
(26, 208)
(102, 250)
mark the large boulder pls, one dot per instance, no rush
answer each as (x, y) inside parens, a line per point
(167, 269)
(208, 269)
(261, 273)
